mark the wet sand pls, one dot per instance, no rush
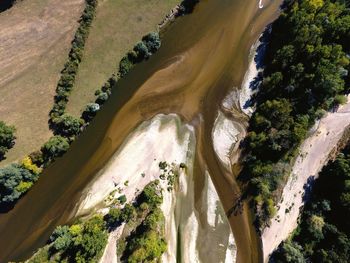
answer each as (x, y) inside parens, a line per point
(203, 55)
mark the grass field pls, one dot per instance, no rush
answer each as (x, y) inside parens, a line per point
(118, 25)
(35, 38)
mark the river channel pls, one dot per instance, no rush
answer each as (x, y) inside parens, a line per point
(203, 56)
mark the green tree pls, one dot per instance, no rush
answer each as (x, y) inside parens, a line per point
(7, 138)
(14, 182)
(55, 147)
(90, 242)
(289, 252)
(68, 126)
(61, 238)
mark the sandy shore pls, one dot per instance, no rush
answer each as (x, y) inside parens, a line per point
(225, 136)
(137, 162)
(165, 138)
(247, 90)
(314, 154)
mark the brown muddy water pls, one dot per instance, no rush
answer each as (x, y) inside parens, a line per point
(203, 56)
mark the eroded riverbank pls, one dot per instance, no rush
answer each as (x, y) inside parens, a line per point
(203, 56)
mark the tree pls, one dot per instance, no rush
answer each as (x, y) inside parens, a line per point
(68, 126)
(55, 147)
(289, 252)
(90, 242)
(61, 238)
(151, 195)
(128, 213)
(90, 111)
(7, 138)
(152, 42)
(141, 51)
(113, 217)
(14, 182)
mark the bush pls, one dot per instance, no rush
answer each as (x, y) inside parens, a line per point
(7, 138)
(122, 199)
(28, 164)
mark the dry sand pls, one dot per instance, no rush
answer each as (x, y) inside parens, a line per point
(314, 154)
(165, 138)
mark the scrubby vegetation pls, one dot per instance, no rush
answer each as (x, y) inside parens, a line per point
(7, 138)
(306, 74)
(84, 241)
(324, 231)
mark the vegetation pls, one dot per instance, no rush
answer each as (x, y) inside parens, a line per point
(66, 82)
(15, 180)
(55, 147)
(118, 25)
(84, 241)
(146, 243)
(7, 138)
(141, 51)
(324, 232)
(306, 74)
(65, 126)
(81, 242)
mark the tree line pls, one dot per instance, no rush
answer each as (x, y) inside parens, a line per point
(306, 74)
(67, 128)
(323, 234)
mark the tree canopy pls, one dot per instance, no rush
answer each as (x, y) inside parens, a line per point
(305, 74)
(7, 138)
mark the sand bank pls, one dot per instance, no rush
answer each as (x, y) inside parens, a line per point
(165, 138)
(314, 154)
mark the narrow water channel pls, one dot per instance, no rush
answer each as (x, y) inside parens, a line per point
(203, 56)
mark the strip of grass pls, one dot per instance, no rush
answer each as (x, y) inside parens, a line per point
(118, 25)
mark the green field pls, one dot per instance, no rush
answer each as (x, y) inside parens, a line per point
(118, 25)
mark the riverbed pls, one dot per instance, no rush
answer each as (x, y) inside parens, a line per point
(203, 57)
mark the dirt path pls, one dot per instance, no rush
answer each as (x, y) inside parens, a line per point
(110, 252)
(314, 154)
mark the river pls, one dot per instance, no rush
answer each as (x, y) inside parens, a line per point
(203, 56)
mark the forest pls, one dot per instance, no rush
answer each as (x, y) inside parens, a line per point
(323, 234)
(306, 74)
